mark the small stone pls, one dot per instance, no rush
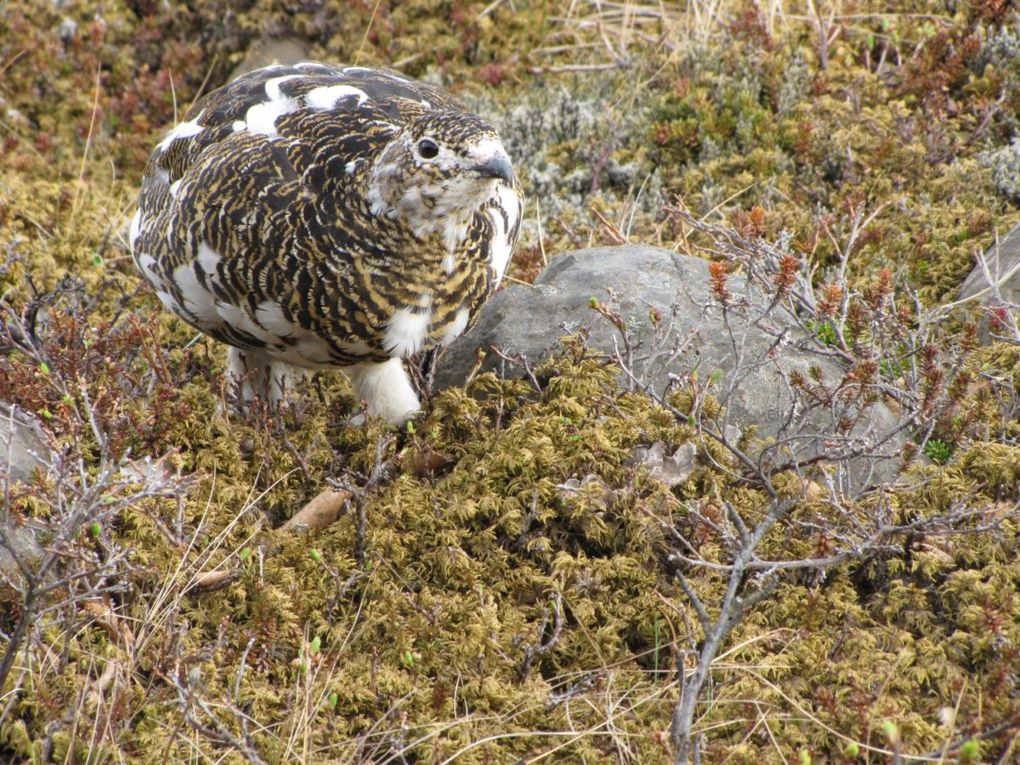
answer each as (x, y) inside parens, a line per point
(671, 469)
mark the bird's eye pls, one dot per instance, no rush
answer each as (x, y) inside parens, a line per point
(427, 148)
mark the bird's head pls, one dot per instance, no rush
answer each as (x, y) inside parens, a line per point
(437, 172)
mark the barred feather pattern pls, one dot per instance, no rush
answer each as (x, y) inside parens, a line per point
(318, 216)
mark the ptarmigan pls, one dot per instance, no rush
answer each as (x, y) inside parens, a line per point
(316, 216)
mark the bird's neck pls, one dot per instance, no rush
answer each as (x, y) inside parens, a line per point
(435, 226)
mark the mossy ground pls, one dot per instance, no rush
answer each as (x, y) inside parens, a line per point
(474, 605)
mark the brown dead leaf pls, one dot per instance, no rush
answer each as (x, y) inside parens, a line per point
(107, 618)
(319, 513)
(429, 462)
(212, 580)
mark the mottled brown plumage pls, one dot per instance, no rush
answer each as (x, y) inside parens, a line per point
(314, 216)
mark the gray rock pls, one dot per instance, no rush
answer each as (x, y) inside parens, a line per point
(1003, 261)
(23, 542)
(23, 450)
(748, 357)
(22, 444)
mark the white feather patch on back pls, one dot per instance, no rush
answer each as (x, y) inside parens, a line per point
(183, 130)
(406, 331)
(273, 86)
(327, 96)
(175, 187)
(261, 118)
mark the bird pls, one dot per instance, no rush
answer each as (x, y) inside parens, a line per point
(317, 216)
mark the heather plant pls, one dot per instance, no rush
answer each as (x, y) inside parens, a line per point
(815, 501)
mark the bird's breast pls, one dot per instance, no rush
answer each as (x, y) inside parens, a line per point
(430, 302)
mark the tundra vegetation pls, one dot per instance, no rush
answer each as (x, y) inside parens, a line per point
(507, 580)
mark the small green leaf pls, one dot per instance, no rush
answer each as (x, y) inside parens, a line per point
(45, 414)
(66, 398)
(970, 750)
(409, 426)
(891, 730)
(315, 645)
(44, 367)
(408, 659)
(593, 302)
(805, 757)
(938, 451)
(827, 333)
(315, 555)
(333, 699)
(95, 529)
(852, 749)
(97, 259)
(245, 554)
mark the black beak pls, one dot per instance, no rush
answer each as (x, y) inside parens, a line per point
(496, 167)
